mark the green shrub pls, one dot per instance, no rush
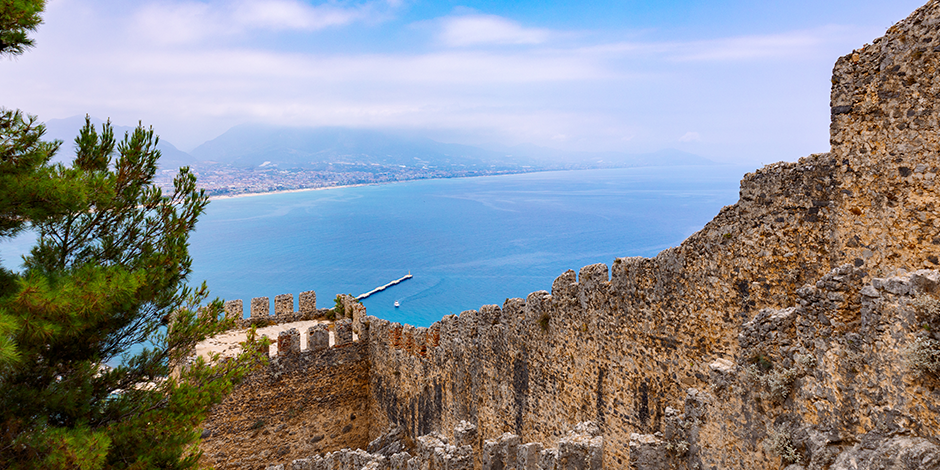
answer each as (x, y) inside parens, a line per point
(338, 308)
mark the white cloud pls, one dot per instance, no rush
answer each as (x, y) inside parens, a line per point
(475, 30)
(568, 90)
(790, 44)
(292, 14)
(189, 22)
(178, 23)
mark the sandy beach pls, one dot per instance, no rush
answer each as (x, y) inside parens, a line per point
(301, 190)
(227, 344)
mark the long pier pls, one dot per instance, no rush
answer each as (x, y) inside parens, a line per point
(386, 286)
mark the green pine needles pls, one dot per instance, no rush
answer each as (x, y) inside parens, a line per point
(17, 19)
(108, 272)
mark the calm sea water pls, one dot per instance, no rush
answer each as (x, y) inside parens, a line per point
(468, 242)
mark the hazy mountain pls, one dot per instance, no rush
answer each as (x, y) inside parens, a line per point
(250, 145)
(666, 157)
(67, 129)
(288, 147)
(254, 145)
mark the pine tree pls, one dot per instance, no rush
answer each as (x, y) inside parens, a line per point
(108, 273)
(17, 19)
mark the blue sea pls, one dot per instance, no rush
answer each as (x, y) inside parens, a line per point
(468, 242)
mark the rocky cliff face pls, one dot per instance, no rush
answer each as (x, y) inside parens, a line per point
(799, 327)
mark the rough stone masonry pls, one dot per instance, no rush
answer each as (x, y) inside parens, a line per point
(799, 328)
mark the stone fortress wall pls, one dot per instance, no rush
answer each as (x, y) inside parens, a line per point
(622, 346)
(778, 334)
(260, 306)
(283, 309)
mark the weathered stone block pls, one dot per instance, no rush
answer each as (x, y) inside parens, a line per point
(528, 456)
(513, 313)
(592, 282)
(536, 304)
(420, 341)
(465, 434)
(284, 304)
(460, 459)
(467, 325)
(581, 451)
(301, 464)
(234, 309)
(647, 452)
(394, 335)
(548, 459)
(318, 337)
(500, 453)
(408, 339)
(489, 315)
(592, 275)
(565, 287)
(399, 461)
(307, 302)
(926, 281)
(288, 342)
(449, 330)
(434, 335)
(365, 330)
(342, 332)
(260, 307)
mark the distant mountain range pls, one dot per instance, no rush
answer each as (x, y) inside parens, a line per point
(287, 147)
(257, 146)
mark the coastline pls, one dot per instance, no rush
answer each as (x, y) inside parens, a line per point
(285, 191)
(550, 170)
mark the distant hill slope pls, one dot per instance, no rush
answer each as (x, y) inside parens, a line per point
(251, 145)
(67, 129)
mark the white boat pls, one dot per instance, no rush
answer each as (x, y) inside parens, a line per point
(397, 304)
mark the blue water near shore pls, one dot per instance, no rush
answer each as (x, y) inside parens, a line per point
(468, 241)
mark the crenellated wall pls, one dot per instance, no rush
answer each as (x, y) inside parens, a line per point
(259, 313)
(305, 401)
(622, 346)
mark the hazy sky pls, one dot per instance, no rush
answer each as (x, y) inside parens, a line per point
(742, 81)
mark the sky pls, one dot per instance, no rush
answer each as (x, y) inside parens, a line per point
(737, 81)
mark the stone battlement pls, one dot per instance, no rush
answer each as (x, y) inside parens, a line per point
(800, 326)
(259, 310)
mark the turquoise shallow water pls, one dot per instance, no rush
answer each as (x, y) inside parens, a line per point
(468, 242)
